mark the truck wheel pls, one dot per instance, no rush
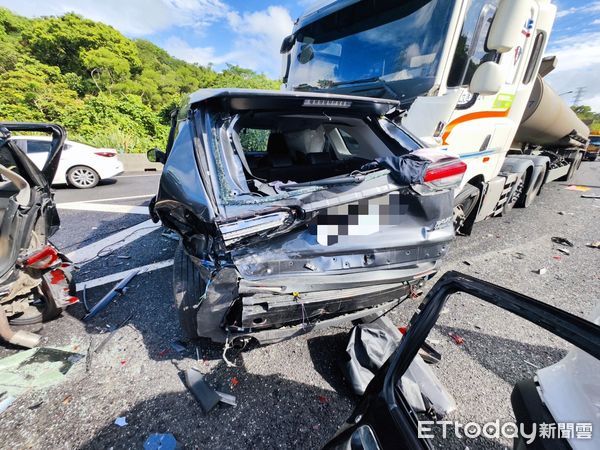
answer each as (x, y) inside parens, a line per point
(464, 205)
(515, 196)
(529, 194)
(574, 166)
(188, 287)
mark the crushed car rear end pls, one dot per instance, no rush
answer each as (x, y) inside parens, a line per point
(298, 211)
(34, 277)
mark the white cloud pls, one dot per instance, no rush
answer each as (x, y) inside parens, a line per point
(200, 55)
(591, 8)
(132, 17)
(255, 36)
(256, 39)
(566, 12)
(577, 52)
(578, 66)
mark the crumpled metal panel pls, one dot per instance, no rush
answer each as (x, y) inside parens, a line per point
(416, 229)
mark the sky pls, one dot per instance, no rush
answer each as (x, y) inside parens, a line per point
(249, 32)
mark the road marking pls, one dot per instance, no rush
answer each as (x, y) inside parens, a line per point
(112, 199)
(113, 242)
(104, 207)
(139, 176)
(122, 275)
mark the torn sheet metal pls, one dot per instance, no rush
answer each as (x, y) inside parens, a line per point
(369, 347)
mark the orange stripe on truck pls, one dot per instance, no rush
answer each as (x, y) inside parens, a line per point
(469, 117)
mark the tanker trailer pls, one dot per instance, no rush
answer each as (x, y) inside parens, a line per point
(550, 136)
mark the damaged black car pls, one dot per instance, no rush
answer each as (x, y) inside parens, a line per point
(297, 211)
(35, 278)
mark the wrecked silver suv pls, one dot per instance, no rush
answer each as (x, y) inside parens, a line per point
(298, 211)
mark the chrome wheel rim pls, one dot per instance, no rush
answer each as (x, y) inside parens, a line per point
(83, 177)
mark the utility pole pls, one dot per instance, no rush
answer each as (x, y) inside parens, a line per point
(578, 96)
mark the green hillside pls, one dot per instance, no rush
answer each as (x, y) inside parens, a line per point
(106, 89)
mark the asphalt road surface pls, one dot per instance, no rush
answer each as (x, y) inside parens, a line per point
(291, 394)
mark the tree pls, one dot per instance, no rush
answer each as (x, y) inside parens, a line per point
(589, 117)
(106, 89)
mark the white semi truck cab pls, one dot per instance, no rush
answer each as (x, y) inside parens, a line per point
(468, 74)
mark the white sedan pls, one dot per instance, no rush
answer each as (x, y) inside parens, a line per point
(80, 166)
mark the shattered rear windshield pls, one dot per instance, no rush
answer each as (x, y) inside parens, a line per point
(259, 156)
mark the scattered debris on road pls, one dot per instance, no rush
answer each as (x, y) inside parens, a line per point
(179, 347)
(322, 399)
(121, 421)
(206, 396)
(369, 346)
(458, 340)
(117, 291)
(33, 369)
(562, 241)
(531, 364)
(159, 441)
(5, 401)
(112, 333)
(170, 234)
(228, 399)
(574, 187)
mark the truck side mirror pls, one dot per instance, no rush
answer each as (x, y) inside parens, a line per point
(156, 156)
(509, 20)
(287, 44)
(487, 79)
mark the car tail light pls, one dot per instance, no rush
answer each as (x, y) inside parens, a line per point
(445, 174)
(42, 259)
(105, 154)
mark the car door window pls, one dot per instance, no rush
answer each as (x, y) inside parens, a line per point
(472, 50)
(38, 147)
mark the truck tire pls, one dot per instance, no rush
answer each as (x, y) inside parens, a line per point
(575, 163)
(528, 195)
(188, 286)
(516, 194)
(464, 205)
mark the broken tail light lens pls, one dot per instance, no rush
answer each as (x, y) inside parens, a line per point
(445, 174)
(42, 259)
(105, 154)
